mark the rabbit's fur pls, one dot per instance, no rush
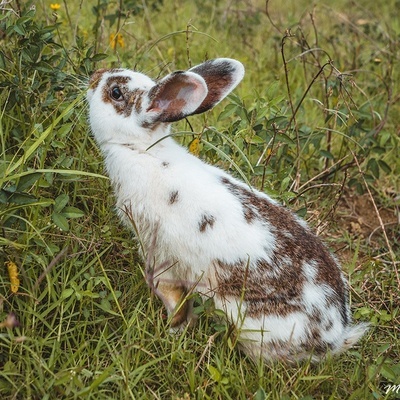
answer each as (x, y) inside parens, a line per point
(204, 230)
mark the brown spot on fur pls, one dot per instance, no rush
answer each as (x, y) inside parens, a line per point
(316, 316)
(249, 214)
(329, 325)
(132, 99)
(121, 82)
(173, 197)
(150, 125)
(249, 211)
(206, 221)
(96, 78)
(314, 343)
(117, 80)
(295, 246)
(263, 293)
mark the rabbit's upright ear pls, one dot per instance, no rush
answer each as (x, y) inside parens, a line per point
(222, 75)
(176, 96)
(181, 94)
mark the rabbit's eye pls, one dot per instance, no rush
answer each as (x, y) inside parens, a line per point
(116, 93)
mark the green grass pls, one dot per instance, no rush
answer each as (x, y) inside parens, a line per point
(323, 138)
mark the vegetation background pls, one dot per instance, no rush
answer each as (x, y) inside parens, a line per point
(315, 123)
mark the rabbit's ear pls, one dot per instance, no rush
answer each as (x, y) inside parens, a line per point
(176, 96)
(222, 75)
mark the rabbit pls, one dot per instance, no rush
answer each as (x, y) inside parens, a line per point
(205, 231)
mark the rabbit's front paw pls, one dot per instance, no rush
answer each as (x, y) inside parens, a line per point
(178, 306)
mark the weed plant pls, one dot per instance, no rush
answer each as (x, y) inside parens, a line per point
(315, 124)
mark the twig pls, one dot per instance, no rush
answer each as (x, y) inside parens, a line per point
(210, 341)
(288, 34)
(338, 197)
(3, 6)
(189, 25)
(52, 263)
(293, 117)
(68, 16)
(118, 26)
(269, 156)
(377, 228)
(323, 173)
(269, 17)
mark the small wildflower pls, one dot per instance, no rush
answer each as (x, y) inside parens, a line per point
(117, 39)
(13, 274)
(194, 146)
(10, 322)
(55, 6)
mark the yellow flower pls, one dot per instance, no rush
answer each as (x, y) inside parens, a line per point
(194, 146)
(117, 39)
(55, 6)
(13, 274)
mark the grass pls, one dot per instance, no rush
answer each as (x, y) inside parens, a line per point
(315, 123)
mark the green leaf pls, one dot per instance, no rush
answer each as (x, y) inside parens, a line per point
(60, 221)
(285, 183)
(58, 144)
(27, 181)
(3, 197)
(98, 57)
(65, 128)
(260, 394)
(302, 212)
(62, 377)
(391, 372)
(373, 167)
(326, 154)
(384, 137)
(315, 378)
(378, 150)
(67, 293)
(105, 305)
(72, 212)
(90, 294)
(98, 381)
(254, 139)
(228, 111)
(60, 202)
(384, 166)
(215, 374)
(19, 29)
(22, 198)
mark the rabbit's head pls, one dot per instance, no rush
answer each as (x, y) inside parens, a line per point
(129, 107)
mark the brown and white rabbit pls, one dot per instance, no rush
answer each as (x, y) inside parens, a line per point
(209, 232)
